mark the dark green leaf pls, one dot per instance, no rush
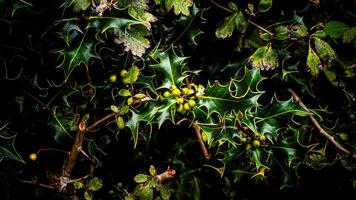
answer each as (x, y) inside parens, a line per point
(236, 21)
(77, 54)
(349, 35)
(281, 33)
(335, 28)
(264, 5)
(141, 178)
(171, 66)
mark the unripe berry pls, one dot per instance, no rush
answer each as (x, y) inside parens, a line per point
(262, 138)
(185, 90)
(120, 122)
(256, 143)
(191, 103)
(176, 92)
(124, 73)
(113, 78)
(186, 107)
(180, 108)
(166, 94)
(173, 87)
(179, 100)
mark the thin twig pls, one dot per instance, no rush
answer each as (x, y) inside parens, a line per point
(37, 184)
(260, 27)
(100, 121)
(321, 130)
(201, 142)
(222, 7)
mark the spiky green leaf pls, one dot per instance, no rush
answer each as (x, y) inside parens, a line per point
(171, 67)
(77, 54)
(7, 145)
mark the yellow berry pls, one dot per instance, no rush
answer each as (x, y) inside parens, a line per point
(185, 90)
(180, 108)
(113, 78)
(173, 87)
(244, 140)
(256, 143)
(179, 100)
(33, 156)
(166, 94)
(124, 73)
(263, 138)
(248, 147)
(186, 107)
(120, 122)
(190, 91)
(176, 92)
(129, 101)
(191, 103)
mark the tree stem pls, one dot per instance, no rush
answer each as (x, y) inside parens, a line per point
(318, 126)
(201, 142)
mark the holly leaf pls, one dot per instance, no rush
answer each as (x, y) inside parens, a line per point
(107, 23)
(7, 145)
(221, 99)
(78, 5)
(77, 54)
(171, 66)
(179, 6)
(69, 32)
(273, 116)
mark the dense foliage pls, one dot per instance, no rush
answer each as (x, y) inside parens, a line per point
(176, 99)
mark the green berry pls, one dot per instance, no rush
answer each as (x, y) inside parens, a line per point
(262, 138)
(180, 108)
(243, 140)
(176, 92)
(173, 87)
(256, 143)
(179, 100)
(166, 94)
(113, 78)
(124, 73)
(248, 147)
(185, 90)
(120, 122)
(190, 91)
(191, 103)
(186, 107)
